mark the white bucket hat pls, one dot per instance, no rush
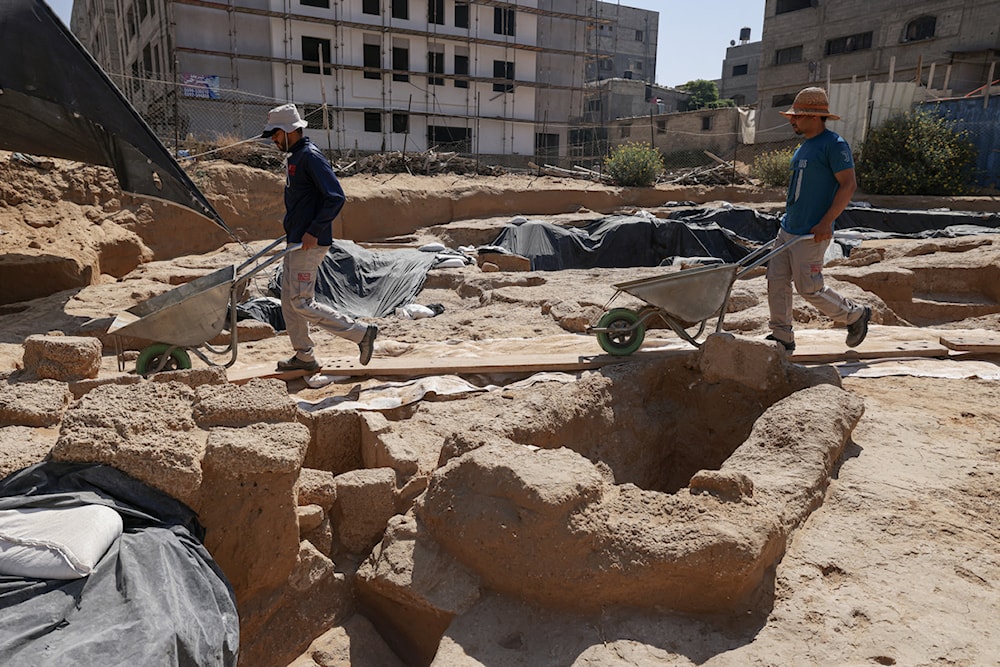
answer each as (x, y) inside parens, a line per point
(286, 117)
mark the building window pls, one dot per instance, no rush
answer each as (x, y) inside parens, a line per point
(594, 105)
(370, 7)
(325, 4)
(739, 100)
(785, 6)
(312, 50)
(503, 21)
(130, 21)
(435, 65)
(435, 11)
(373, 121)
(706, 123)
(793, 54)
(847, 44)
(637, 66)
(782, 101)
(606, 64)
(373, 59)
(639, 36)
(921, 28)
(458, 139)
(400, 123)
(503, 69)
(401, 9)
(143, 10)
(400, 63)
(625, 131)
(461, 69)
(461, 14)
(740, 70)
(661, 127)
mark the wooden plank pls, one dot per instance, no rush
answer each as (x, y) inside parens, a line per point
(986, 342)
(414, 366)
(827, 345)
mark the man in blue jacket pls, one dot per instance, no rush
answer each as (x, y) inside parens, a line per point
(822, 185)
(313, 198)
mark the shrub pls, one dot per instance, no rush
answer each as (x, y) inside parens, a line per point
(917, 153)
(634, 164)
(773, 168)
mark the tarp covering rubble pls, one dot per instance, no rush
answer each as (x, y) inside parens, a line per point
(156, 597)
(365, 283)
(726, 234)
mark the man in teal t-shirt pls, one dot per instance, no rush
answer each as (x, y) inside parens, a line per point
(822, 185)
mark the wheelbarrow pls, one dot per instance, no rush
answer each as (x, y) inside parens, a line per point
(682, 300)
(185, 319)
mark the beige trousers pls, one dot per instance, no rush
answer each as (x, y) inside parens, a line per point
(802, 265)
(300, 308)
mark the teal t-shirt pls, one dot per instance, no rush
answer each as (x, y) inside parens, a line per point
(813, 184)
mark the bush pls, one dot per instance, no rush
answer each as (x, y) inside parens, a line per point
(917, 153)
(634, 164)
(773, 168)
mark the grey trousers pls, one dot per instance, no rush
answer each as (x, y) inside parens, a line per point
(802, 265)
(300, 308)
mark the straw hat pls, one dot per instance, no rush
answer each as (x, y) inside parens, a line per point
(811, 102)
(286, 117)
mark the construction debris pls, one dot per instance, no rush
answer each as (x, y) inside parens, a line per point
(425, 163)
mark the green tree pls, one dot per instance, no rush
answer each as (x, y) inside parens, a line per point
(704, 94)
(917, 153)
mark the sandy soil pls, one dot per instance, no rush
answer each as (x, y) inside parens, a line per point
(898, 567)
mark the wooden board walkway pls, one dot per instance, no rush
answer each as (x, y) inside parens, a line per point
(813, 346)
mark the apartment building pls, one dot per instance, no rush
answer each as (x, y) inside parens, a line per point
(484, 76)
(950, 46)
(740, 69)
(622, 43)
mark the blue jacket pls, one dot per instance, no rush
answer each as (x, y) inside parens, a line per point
(313, 196)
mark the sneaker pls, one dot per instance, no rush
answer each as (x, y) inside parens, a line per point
(367, 344)
(296, 364)
(788, 346)
(856, 331)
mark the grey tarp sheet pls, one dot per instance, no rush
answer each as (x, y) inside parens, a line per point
(155, 598)
(363, 283)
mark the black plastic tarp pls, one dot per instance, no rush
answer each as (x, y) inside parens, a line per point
(725, 234)
(156, 597)
(55, 100)
(364, 283)
(616, 241)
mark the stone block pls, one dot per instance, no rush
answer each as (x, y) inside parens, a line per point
(64, 358)
(366, 500)
(33, 403)
(237, 405)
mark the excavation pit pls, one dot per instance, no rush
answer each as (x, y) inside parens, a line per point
(673, 483)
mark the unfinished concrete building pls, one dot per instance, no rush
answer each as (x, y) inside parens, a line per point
(475, 76)
(740, 69)
(949, 45)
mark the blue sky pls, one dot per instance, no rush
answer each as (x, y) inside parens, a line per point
(693, 35)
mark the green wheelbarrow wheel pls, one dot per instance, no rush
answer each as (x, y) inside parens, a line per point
(624, 332)
(150, 358)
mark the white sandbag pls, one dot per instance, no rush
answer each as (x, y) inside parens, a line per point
(56, 543)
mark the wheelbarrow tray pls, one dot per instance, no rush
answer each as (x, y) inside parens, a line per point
(186, 316)
(691, 295)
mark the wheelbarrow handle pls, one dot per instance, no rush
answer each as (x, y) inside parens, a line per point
(758, 256)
